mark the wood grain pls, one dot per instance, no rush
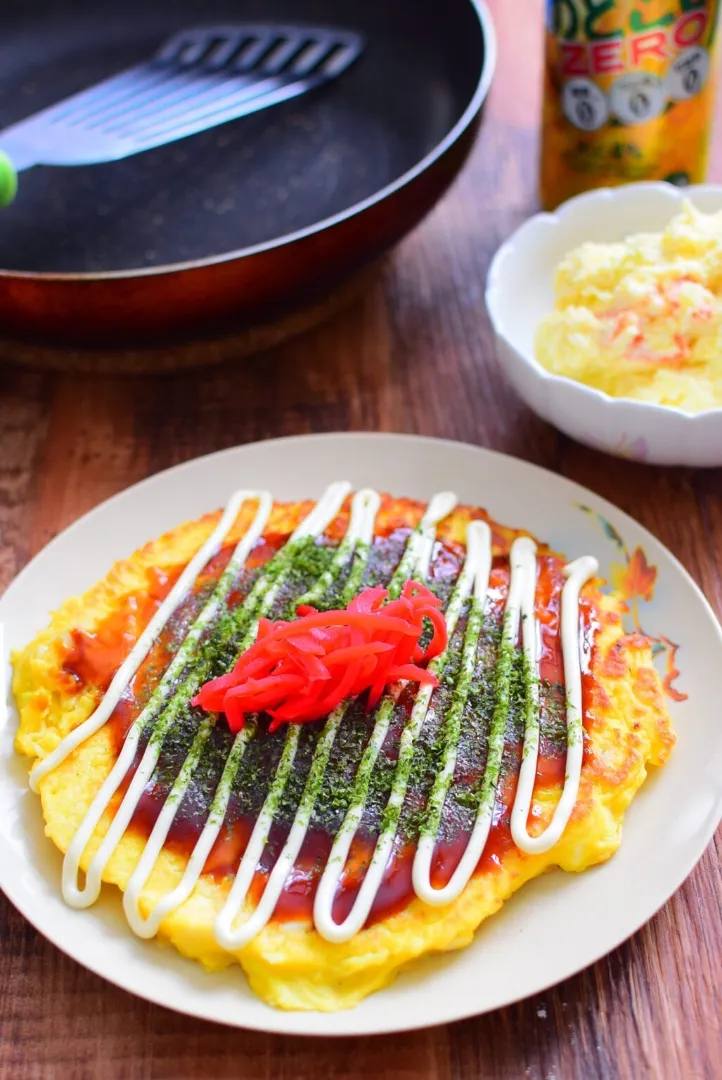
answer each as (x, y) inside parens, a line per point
(650, 1009)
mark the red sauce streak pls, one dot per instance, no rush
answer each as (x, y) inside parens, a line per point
(94, 657)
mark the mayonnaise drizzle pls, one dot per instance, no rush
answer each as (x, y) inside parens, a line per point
(364, 508)
(325, 894)
(148, 927)
(415, 560)
(325, 511)
(142, 647)
(169, 698)
(421, 875)
(577, 573)
(522, 559)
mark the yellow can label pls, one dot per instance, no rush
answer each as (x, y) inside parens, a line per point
(629, 91)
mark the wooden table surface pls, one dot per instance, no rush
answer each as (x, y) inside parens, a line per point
(651, 1008)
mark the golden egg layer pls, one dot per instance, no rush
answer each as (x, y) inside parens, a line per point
(288, 964)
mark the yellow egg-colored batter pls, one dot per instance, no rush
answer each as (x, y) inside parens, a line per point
(289, 965)
(642, 318)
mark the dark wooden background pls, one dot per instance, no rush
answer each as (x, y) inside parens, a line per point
(414, 355)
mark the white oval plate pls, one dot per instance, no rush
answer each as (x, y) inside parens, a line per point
(553, 927)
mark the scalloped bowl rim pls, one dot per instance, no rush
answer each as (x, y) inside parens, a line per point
(557, 217)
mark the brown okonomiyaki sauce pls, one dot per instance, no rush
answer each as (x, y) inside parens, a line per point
(92, 659)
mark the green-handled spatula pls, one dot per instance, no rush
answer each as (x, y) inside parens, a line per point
(198, 79)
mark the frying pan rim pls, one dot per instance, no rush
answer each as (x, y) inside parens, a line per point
(486, 25)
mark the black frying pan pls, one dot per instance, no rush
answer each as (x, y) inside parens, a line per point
(268, 211)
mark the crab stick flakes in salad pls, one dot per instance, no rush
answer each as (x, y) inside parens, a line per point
(642, 318)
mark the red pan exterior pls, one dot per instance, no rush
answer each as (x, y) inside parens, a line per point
(196, 300)
(118, 310)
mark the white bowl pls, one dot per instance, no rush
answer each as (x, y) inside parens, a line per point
(520, 292)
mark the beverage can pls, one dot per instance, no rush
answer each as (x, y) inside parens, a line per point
(628, 93)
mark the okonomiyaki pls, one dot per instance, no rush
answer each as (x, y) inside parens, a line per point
(321, 740)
